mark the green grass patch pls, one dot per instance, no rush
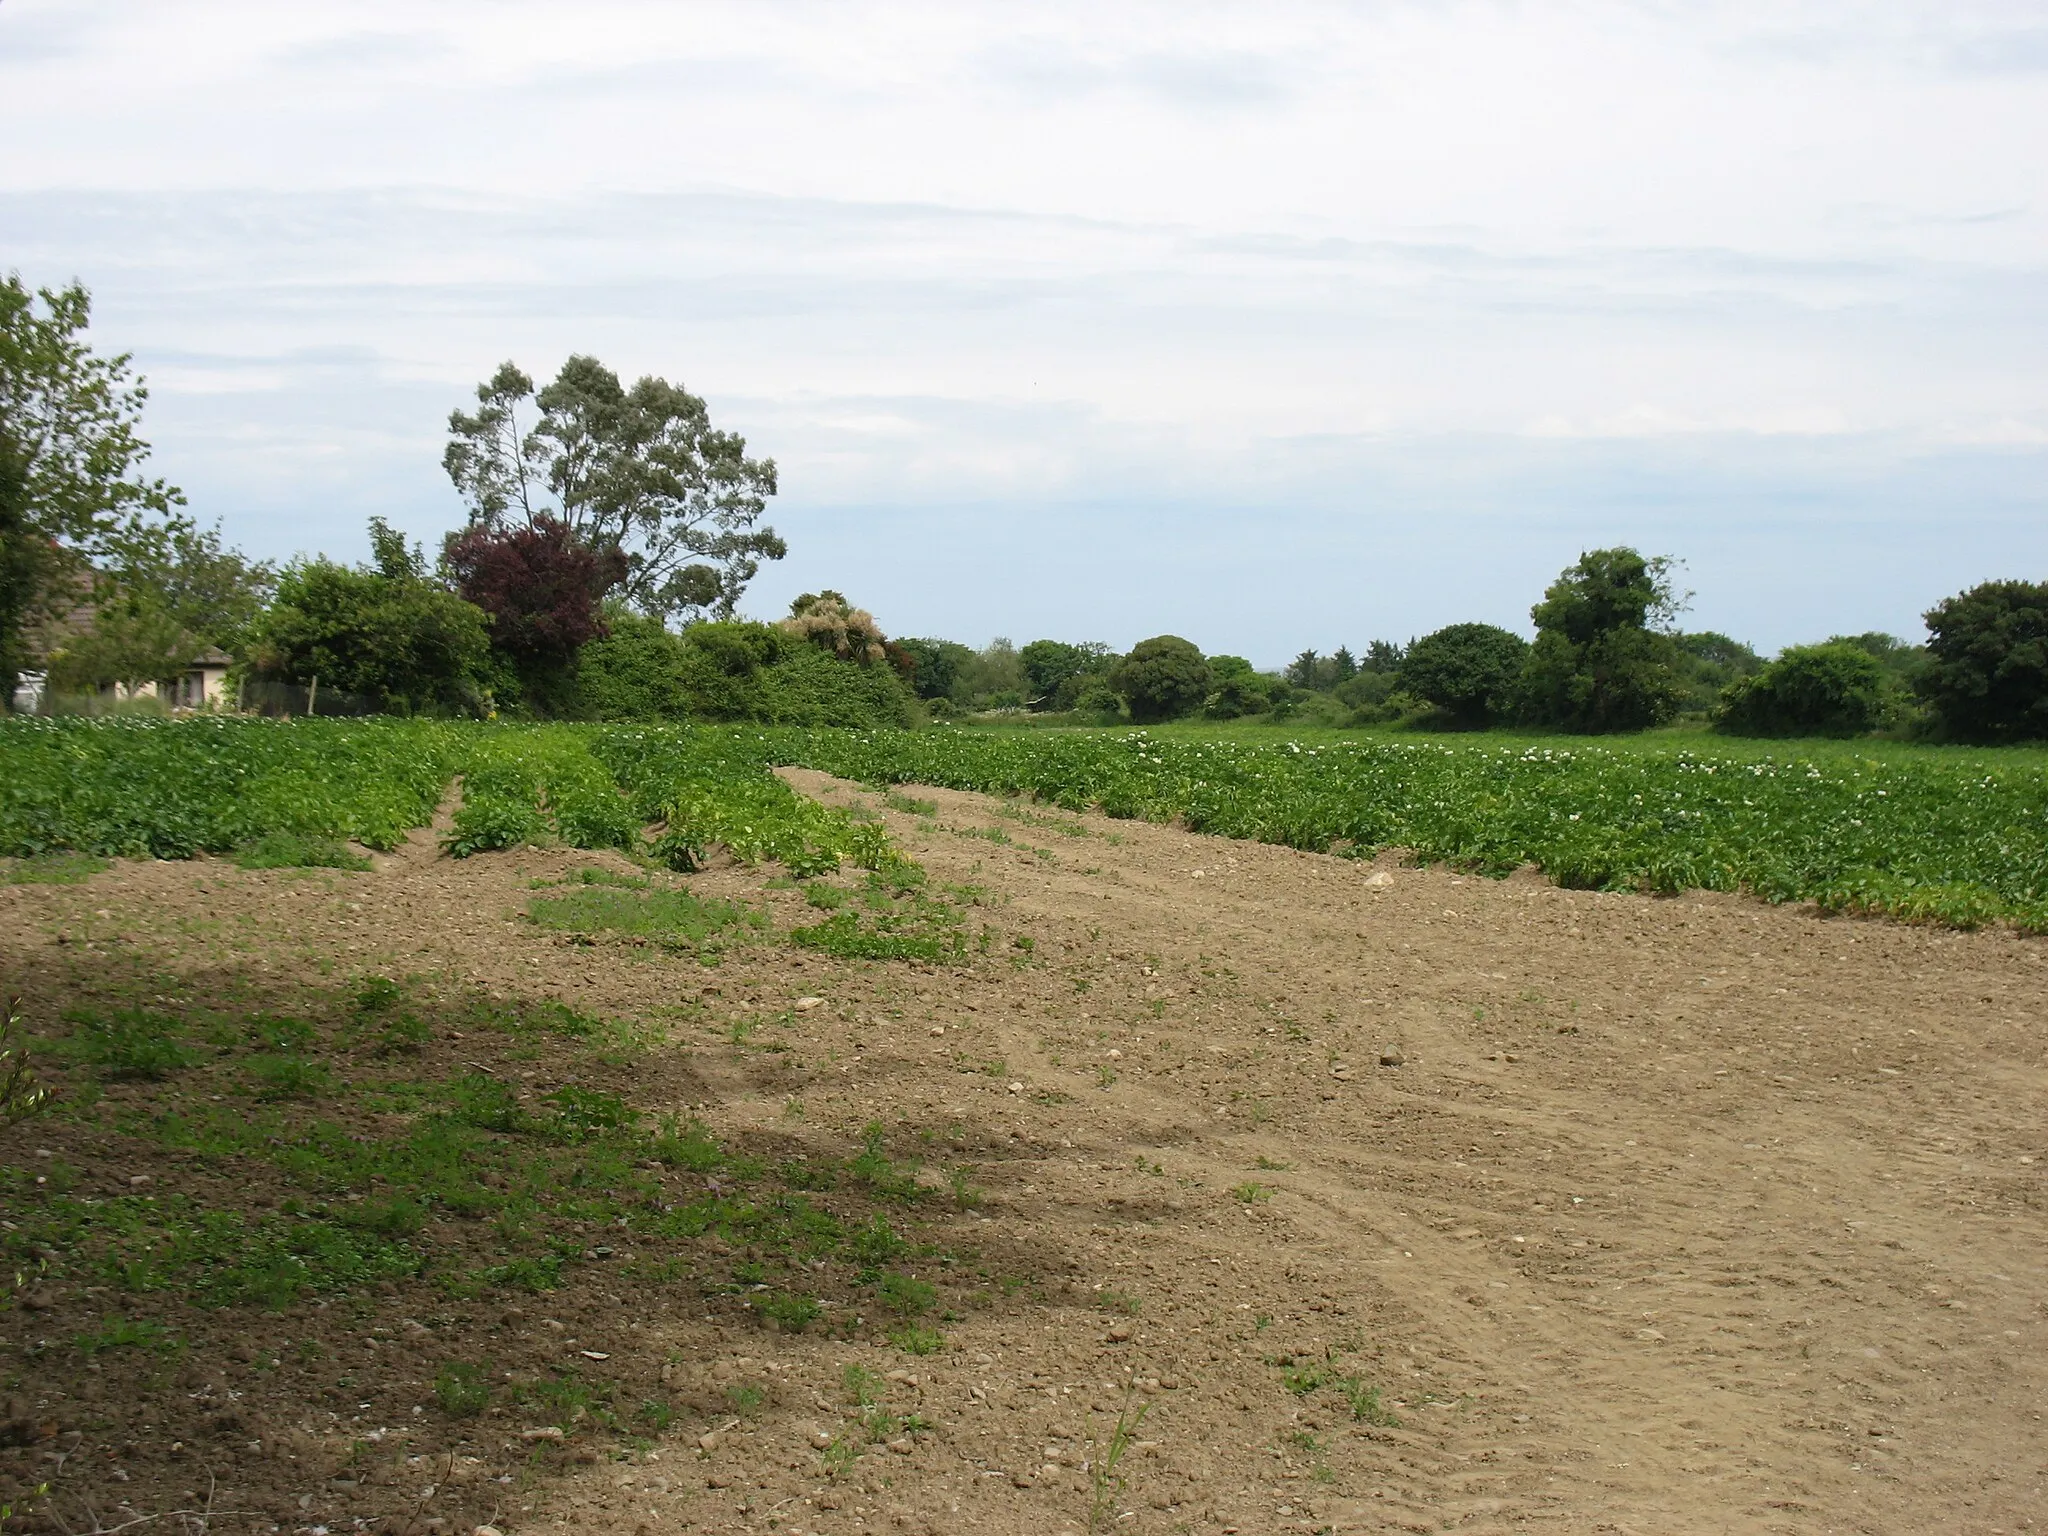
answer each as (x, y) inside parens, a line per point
(671, 916)
(295, 850)
(129, 1044)
(60, 868)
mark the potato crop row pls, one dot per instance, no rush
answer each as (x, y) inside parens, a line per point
(1923, 834)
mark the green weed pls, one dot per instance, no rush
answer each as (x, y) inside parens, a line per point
(461, 1389)
(293, 850)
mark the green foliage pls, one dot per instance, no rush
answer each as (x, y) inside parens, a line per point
(1597, 666)
(462, 1390)
(54, 869)
(993, 678)
(1237, 689)
(1709, 662)
(170, 789)
(732, 671)
(131, 1043)
(675, 916)
(907, 1295)
(1917, 833)
(163, 590)
(1810, 690)
(383, 632)
(791, 1313)
(1472, 672)
(1056, 671)
(1162, 679)
(939, 665)
(295, 850)
(1986, 676)
(70, 457)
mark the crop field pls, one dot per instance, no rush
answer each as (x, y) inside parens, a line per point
(594, 1129)
(1958, 838)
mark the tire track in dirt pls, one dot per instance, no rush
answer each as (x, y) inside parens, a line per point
(1698, 1248)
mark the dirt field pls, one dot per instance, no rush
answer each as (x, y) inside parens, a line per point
(1398, 1201)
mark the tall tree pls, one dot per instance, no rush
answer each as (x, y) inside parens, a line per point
(1598, 663)
(1162, 679)
(639, 473)
(70, 452)
(1986, 676)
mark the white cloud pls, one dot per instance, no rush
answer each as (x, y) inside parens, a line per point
(1099, 270)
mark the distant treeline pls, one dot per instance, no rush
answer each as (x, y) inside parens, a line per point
(1607, 658)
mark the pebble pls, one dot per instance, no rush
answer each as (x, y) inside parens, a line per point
(901, 1445)
(1391, 1058)
(487, 1530)
(806, 1004)
(1119, 1333)
(708, 1442)
(544, 1432)
(1016, 1087)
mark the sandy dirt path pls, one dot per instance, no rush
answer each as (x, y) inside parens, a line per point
(1675, 1215)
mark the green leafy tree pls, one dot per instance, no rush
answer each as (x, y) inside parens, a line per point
(1343, 666)
(1472, 672)
(164, 590)
(1382, 656)
(939, 665)
(1057, 671)
(70, 453)
(1707, 663)
(1986, 674)
(1237, 689)
(1836, 689)
(639, 473)
(385, 630)
(731, 670)
(1597, 664)
(1162, 679)
(994, 678)
(1903, 661)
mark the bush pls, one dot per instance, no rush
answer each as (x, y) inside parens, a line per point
(1986, 676)
(383, 631)
(1240, 690)
(1469, 671)
(733, 671)
(1162, 679)
(1834, 689)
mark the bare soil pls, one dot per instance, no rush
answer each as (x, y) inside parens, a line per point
(1636, 1215)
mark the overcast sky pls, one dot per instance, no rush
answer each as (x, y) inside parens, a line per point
(1273, 325)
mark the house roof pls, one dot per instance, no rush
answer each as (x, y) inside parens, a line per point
(213, 656)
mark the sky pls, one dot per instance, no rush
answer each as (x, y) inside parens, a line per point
(1275, 325)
